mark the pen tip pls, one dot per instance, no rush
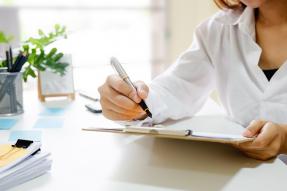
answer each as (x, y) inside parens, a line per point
(149, 113)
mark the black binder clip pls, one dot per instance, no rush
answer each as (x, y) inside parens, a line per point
(22, 143)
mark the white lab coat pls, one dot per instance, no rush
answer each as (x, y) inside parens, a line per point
(224, 56)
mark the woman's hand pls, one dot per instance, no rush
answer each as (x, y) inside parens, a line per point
(270, 140)
(119, 101)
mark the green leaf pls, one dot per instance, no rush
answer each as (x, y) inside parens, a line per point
(58, 57)
(5, 39)
(39, 59)
(46, 39)
(52, 52)
(3, 64)
(28, 72)
(26, 48)
(57, 27)
(41, 33)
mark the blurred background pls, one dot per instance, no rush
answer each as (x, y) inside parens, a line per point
(146, 35)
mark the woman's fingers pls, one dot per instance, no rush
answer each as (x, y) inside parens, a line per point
(266, 145)
(266, 136)
(116, 116)
(142, 89)
(119, 109)
(118, 99)
(254, 128)
(257, 156)
(118, 84)
(268, 132)
(262, 154)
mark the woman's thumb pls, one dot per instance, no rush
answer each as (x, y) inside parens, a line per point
(254, 128)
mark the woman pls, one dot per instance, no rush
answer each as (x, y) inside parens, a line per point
(242, 52)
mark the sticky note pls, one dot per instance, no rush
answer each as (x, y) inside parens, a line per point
(46, 123)
(13, 154)
(27, 135)
(53, 111)
(6, 124)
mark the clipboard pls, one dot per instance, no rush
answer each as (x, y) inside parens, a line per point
(201, 128)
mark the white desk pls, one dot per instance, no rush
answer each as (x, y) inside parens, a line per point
(102, 161)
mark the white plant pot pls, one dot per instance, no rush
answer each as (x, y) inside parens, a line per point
(54, 85)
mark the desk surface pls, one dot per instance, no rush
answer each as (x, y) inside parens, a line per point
(104, 161)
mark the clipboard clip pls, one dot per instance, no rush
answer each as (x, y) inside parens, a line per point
(158, 131)
(21, 143)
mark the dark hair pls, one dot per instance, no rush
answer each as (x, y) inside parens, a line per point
(228, 4)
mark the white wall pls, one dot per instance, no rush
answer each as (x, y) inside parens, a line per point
(182, 18)
(9, 24)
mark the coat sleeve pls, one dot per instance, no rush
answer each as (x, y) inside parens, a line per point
(182, 90)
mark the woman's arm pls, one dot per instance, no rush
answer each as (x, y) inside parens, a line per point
(184, 87)
(177, 93)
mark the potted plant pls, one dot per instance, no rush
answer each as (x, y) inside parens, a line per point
(40, 59)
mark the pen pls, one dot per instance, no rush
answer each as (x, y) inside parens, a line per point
(93, 109)
(23, 60)
(20, 61)
(122, 73)
(84, 95)
(10, 56)
(8, 61)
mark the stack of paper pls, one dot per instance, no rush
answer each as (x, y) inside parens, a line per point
(19, 166)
